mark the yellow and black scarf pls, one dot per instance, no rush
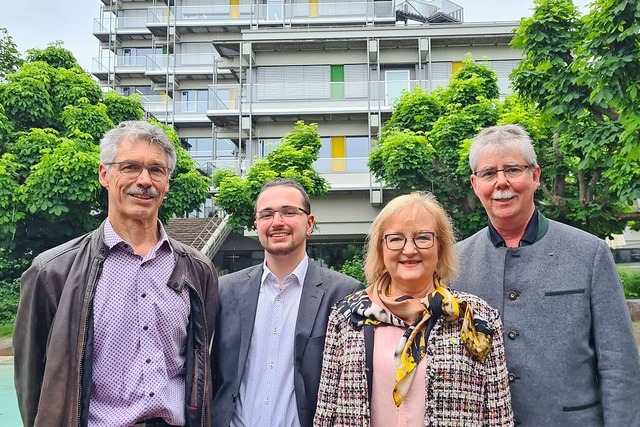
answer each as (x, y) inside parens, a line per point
(374, 305)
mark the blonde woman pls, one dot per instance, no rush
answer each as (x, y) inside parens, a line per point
(407, 350)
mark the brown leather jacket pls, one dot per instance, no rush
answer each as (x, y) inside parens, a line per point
(53, 336)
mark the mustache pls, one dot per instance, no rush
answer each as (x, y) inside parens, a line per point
(139, 191)
(503, 194)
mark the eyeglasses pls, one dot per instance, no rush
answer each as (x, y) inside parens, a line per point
(286, 212)
(397, 242)
(134, 169)
(512, 171)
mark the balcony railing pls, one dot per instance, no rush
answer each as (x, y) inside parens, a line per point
(326, 165)
(276, 12)
(356, 93)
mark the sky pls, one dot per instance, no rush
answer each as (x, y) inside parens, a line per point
(36, 23)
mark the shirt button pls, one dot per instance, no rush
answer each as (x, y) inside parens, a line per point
(143, 295)
(512, 335)
(152, 394)
(148, 360)
(513, 295)
(145, 327)
(511, 377)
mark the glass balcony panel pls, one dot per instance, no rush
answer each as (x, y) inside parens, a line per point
(134, 22)
(224, 97)
(159, 15)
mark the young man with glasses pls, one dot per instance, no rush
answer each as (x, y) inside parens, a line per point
(114, 327)
(571, 354)
(270, 333)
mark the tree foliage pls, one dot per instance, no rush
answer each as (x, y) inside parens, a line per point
(582, 73)
(414, 154)
(52, 116)
(293, 159)
(433, 155)
(10, 59)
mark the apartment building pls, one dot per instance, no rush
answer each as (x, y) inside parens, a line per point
(233, 76)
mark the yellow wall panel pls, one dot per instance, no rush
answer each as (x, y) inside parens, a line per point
(338, 153)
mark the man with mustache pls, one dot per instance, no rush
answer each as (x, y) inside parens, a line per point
(570, 349)
(267, 353)
(114, 327)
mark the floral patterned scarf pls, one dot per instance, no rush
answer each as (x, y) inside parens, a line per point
(374, 306)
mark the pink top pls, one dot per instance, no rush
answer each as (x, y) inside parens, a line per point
(384, 412)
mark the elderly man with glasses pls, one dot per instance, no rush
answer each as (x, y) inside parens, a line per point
(571, 354)
(270, 333)
(113, 327)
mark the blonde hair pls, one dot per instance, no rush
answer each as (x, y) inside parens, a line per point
(411, 206)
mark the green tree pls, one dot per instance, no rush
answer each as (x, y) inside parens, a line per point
(52, 116)
(10, 59)
(293, 159)
(578, 71)
(431, 154)
(575, 187)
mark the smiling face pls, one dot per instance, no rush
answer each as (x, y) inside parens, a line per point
(508, 201)
(411, 269)
(135, 199)
(283, 236)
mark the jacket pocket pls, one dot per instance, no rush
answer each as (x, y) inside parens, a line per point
(581, 407)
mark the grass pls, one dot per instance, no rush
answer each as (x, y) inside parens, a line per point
(6, 330)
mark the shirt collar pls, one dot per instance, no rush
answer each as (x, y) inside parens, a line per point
(300, 272)
(529, 237)
(112, 238)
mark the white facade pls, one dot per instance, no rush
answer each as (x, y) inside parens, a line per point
(233, 76)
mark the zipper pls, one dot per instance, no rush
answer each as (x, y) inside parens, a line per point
(205, 354)
(92, 289)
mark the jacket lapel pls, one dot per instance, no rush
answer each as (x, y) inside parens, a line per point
(247, 298)
(312, 294)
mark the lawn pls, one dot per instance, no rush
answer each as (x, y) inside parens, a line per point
(6, 330)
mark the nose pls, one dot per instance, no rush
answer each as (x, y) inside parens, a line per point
(410, 246)
(277, 214)
(144, 179)
(501, 179)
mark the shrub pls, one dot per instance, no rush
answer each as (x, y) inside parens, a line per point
(630, 283)
(9, 296)
(354, 268)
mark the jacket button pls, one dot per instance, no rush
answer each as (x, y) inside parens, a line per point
(513, 295)
(512, 378)
(512, 335)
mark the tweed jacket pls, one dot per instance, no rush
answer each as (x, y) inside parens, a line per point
(460, 390)
(570, 349)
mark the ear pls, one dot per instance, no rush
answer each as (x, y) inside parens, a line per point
(537, 172)
(102, 176)
(310, 221)
(473, 183)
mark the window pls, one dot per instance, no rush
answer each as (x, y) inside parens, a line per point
(396, 81)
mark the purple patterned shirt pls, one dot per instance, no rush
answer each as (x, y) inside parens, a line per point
(140, 332)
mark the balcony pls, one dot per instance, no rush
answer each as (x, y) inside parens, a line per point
(222, 14)
(167, 110)
(184, 66)
(348, 173)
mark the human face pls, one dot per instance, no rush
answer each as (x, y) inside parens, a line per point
(135, 199)
(411, 269)
(508, 201)
(283, 236)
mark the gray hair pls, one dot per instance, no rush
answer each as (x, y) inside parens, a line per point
(502, 138)
(136, 129)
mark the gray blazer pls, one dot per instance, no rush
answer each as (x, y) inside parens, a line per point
(238, 299)
(570, 350)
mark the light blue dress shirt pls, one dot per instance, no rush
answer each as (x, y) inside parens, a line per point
(267, 395)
